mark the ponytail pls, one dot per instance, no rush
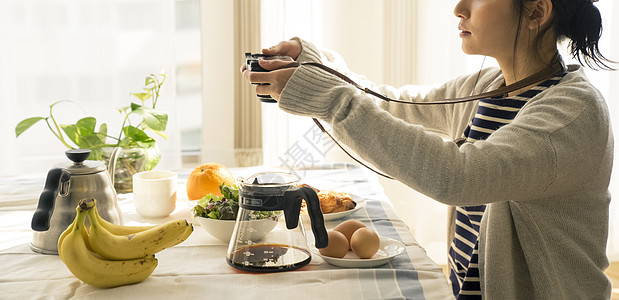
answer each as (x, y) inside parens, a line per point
(580, 22)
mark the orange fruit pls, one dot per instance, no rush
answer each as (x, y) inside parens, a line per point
(206, 179)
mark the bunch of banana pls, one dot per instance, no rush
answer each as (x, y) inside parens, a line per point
(110, 255)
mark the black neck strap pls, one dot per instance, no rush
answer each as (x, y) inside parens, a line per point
(557, 68)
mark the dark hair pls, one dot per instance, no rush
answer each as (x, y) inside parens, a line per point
(580, 22)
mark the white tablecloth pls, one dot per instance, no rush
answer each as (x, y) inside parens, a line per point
(196, 269)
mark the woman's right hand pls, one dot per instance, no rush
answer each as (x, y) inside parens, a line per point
(291, 48)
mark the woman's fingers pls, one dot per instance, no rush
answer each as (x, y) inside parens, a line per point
(271, 65)
(270, 83)
(257, 77)
(273, 50)
(290, 48)
(277, 64)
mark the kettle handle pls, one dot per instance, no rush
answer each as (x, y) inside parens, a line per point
(112, 163)
(45, 208)
(292, 209)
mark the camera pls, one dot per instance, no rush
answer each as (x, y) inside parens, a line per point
(252, 64)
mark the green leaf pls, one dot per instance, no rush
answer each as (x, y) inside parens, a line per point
(142, 96)
(204, 201)
(96, 154)
(86, 126)
(160, 133)
(25, 124)
(134, 136)
(94, 140)
(154, 119)
(123, 109)
(135, 133)
(229, 191)
(199, 211)
(103, 130)
(149, 80)
(71, 132)
(214, 214)
(83, 134)
(82, 128)
(163, 77)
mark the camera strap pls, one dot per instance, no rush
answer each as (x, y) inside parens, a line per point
(558, 67)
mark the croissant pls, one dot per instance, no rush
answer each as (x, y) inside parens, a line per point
(332, 201)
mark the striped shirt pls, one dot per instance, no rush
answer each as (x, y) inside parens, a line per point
(463, 252)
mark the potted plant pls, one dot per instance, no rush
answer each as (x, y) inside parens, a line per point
(139, 150)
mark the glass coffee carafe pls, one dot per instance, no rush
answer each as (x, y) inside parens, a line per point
(268, 235)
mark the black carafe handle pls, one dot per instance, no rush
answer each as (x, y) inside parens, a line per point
(292, 209)
(45, 208)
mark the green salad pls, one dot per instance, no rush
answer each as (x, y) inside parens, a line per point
(226, 207)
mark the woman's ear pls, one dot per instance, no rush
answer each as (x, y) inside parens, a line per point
(539, 13)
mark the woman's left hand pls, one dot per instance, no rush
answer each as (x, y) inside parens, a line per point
(275, 79)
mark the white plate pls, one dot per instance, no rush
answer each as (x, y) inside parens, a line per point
(389, 248)
(339, 215)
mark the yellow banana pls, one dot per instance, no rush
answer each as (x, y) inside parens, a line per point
(64, 234)
(95, 271)
(119, 229)
(136, 245)
(111, 227)
(187, 233)
(70, 228)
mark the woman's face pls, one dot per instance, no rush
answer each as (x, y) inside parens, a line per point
(487, 27)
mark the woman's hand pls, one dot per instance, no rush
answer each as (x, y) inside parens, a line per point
(291, 48)
(273, 82)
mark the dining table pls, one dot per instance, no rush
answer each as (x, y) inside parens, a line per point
(197, 267)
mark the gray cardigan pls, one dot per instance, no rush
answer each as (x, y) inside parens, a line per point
(544, 177)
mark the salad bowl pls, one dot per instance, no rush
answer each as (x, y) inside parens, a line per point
(217, 215)
(222, 229)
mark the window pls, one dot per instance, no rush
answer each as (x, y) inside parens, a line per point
(95, 53)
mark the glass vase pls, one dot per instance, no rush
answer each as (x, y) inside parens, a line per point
(129, 162)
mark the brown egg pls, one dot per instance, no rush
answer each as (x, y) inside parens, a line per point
(348, 228)
(365, 242)
(338, 245)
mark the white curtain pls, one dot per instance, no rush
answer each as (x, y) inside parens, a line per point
(248, 116)
(283, 142)
(232, 131)
(370, 35)
(93, 53)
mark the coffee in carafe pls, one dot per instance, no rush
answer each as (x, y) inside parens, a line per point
(272, 201)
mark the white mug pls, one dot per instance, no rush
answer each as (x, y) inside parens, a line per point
(154, 193)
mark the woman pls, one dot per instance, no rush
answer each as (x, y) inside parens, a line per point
(529, 188)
